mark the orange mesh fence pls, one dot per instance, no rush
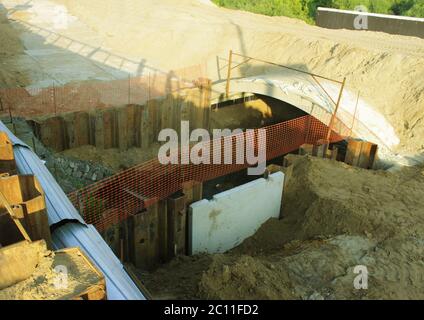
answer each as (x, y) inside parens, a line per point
(127, 193)
(88, 95)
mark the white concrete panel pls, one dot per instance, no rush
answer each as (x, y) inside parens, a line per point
(220, 224)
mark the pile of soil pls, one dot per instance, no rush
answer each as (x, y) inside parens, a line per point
(336, 217)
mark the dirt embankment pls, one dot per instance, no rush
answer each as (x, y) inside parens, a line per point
(10, 49)
(335, 218)
(388, 70)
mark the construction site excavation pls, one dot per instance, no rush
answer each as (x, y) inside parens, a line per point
(222, 155)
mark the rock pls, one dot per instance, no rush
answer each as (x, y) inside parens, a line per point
(316, 296)
(78, 174)
(100, 175)
(94, 177)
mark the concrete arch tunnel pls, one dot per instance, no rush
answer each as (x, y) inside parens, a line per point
(317, 99)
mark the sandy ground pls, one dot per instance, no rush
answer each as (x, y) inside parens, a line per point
(335, 218)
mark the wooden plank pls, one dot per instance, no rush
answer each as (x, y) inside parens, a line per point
(364, 155)
(177, 220)
(130, 130)
(373, 156)
(353, 152)
(52, 133)
(9, 231)
(122, 127)
(71, 139)
(18, 223)
(7, 156)
(145, 128)
(163, 230)
(334, 153)
(144, 239)
(154, 112)
(137, 126)
(193, 191)
(26, 195)
(321, 149)
(112, 236)
(19, 261)
(99, 130)
(82, 129)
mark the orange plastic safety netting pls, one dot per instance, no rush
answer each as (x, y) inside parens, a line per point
(127, 193)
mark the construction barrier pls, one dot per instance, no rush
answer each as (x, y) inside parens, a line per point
(132, 191)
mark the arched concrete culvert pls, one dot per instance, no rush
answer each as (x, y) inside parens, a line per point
(317, 99)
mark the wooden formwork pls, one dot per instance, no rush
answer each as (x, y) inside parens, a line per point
(24, 228)
(361, 154)
(26, 198)
(18, 261)
(7, 156)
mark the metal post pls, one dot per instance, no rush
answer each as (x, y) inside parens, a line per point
(333, 117)
(230, 62)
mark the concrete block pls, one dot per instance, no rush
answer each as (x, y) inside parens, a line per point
(224, 222)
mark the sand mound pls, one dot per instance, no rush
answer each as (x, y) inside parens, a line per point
(336, 217)
(320, 269)
(326, 198)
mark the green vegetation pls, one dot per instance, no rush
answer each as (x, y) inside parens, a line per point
(306, 9)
